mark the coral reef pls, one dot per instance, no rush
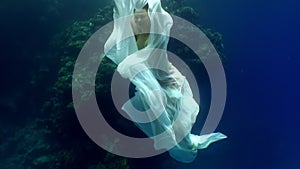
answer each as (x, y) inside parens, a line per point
(55, 139)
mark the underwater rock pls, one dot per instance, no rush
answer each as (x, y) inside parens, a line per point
(186, 12)
(41, 162)
(55, 139)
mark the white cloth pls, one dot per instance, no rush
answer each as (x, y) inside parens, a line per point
(161, 88)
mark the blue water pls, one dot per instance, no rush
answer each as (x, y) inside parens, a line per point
(261, 39)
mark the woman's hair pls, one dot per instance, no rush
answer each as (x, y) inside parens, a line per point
(146, 7)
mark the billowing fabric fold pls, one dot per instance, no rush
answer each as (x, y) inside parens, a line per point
(161, 90)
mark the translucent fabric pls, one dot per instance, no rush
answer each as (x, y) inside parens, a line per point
(161, 90)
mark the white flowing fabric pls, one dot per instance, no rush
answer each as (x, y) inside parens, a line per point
(161, 89)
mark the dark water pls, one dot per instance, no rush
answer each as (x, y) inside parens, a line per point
(261, 40)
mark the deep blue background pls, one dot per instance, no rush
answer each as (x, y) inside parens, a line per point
(261, 39)
(262, 42)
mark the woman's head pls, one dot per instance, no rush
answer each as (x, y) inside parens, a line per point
(141, 20)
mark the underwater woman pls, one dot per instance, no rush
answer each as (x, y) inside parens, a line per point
(138, 45)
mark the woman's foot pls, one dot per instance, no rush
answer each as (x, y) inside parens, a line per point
(204, 141)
